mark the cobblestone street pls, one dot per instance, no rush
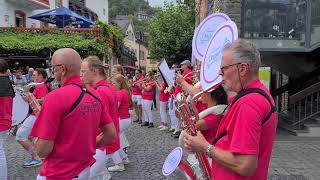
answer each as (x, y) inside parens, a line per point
(293, 158)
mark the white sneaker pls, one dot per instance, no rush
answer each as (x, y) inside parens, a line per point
(118, 167)
(164, 128)
(161, 126)
(107, 175)
(125, 161)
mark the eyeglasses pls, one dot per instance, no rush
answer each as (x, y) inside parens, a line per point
(223, 68)
(55, 66)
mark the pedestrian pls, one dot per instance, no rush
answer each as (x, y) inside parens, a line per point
(72, 123)
(243, 144)
(23, 133)
(6, 106)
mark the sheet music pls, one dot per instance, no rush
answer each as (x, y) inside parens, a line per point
(167, 73)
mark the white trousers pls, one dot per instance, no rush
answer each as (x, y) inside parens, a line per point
(124, 125)
(24, 130)
(163, 112)
(146, 108)
(3, 161)
(172, 114)
(84, 175)
(98, 170)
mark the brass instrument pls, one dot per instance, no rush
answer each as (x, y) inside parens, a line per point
(34, 104)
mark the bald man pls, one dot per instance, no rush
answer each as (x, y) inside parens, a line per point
(68, 123)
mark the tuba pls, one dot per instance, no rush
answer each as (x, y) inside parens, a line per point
(34, 104)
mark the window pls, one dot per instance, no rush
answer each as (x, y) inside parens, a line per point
(141, 55)
(104, 11)
(59, 3)
(20, 19)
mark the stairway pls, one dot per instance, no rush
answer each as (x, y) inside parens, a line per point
(302, 118)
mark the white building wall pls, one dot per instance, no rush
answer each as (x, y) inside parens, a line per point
(7, 14)
(100, 7)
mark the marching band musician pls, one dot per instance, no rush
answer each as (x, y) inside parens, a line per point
(187, 76)
(147, 99)
(163, 101)
(6, 106)
(69, 122)
(124, 103)
(23, 133)
(94, 74)
(243, 143)
(137, 95)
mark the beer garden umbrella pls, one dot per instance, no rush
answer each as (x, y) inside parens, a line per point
(62, 17)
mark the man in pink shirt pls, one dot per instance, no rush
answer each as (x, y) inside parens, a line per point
(243, 144)
(72, 123)
(6, 105)
(23, 133)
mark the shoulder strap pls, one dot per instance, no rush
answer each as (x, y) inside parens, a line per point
(104, 85)
(258, 91)
(83, 92)
(243, 93)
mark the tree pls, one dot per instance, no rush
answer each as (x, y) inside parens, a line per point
(171, 32)
(129, 7)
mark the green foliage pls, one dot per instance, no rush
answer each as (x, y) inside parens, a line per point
(171, 32)
(128, 7)
(117, 37)
(44, 43)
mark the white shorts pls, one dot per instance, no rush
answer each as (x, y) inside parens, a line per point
(136, 99)
(24, 130)
(84, 175)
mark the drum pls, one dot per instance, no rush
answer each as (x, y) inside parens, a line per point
(20, 109)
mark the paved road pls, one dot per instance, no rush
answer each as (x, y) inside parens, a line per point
(293, 158)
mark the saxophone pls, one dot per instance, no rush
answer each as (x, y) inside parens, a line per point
(188, 115)
(34, 104)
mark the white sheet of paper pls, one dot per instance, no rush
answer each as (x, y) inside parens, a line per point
(168, 74)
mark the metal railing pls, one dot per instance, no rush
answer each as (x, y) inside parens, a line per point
(304, 105)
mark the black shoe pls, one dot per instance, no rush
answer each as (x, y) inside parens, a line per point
(140, 122)
(177, 134)
(150, 125)
(145, 124)
(136, 120)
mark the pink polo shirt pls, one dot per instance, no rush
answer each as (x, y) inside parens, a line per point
(212, 121)
(246, 134)
(164, 97)
(148, 95)
(6, 105)
(124, 101)
(74, 134)
(135, 89)
(108, 96)
(40, 91)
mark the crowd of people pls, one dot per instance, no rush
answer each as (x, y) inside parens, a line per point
(75, 139)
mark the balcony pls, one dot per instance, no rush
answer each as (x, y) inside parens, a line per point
(34, 4)
(282, 25)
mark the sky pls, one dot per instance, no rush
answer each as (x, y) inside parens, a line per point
(158, 2)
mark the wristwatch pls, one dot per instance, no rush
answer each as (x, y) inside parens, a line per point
(208, 150)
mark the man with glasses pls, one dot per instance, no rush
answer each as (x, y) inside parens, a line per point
(243, 143)
(69, 121)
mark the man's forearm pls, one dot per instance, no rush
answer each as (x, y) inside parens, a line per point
(244, 165)
(189, 88)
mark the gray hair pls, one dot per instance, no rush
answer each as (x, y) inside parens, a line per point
(245, 51)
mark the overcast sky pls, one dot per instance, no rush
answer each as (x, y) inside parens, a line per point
(159, 2)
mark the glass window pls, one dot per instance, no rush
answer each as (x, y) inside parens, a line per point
(275, 23)
(315, 22)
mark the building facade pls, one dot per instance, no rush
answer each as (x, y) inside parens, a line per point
(287, 33)
(15, 13)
